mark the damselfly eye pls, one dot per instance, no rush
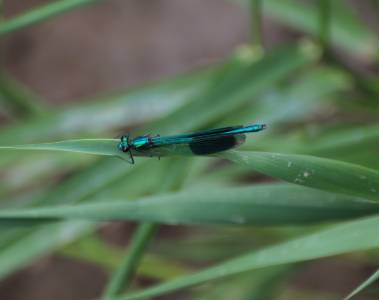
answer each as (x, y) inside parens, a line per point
(123, 147)
(124, 143)
(125, 139)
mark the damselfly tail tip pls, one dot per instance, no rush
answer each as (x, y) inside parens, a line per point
(255, 127)
(259, 127)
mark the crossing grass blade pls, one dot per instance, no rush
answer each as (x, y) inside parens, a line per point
(259, 205)
(363, 285)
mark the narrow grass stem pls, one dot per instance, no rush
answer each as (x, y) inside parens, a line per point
(40, 14)
(370, 280)
(2, 56)
(256, 23)
(124, 275)
(324, 23)
(376, 5)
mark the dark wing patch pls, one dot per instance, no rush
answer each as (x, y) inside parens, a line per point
(204, 146)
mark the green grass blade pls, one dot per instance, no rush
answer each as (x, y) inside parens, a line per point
(363, 285)
(104, 147)
(320, 173)
(107, 147)
(261, 205)
(41, 14)
(344, 238)
(356, 144)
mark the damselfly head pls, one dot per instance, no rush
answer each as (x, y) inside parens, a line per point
(124, 143)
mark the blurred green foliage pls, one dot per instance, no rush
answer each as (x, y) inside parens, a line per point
(322, 141)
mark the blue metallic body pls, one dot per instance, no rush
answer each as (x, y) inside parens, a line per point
(200, 143)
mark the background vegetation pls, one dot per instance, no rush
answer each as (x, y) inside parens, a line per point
(260, 221)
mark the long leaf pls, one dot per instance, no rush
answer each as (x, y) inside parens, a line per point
(263, 205)
(321, 173)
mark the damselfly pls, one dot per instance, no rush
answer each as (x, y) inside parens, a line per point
(199, 143)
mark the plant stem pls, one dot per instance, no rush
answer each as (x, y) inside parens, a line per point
(1, 41)
(376, 4)
(324, 23)
(124, 275)
(256, 23)
(41, 14)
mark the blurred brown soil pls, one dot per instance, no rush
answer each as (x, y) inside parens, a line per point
(117, 44)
